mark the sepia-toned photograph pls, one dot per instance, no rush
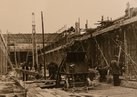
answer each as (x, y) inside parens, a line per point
(68, 48)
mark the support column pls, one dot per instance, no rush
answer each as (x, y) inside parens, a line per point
(125, 49)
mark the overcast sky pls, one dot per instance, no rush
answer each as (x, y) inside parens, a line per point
(16, 15)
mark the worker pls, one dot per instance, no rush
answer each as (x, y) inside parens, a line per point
(53, 68)
(115, 71)
(24, 66)
(92, 73)
(102, 72)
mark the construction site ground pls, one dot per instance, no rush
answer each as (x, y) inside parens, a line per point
(9, 88)
(99, 90)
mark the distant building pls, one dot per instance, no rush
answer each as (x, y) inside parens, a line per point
(20, 45)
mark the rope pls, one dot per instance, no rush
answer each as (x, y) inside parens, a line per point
(59, 70)
(133, 68)
(119, 55)
(101, 52)
(132, 65)
(126, 53)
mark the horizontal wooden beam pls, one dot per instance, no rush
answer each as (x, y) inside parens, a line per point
(84, 37)
(27, 72)
(116, 26)
(39, 81)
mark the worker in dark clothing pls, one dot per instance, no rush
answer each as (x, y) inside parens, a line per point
(115, 71)
(102, 72)
(24, 66)
(53, 68)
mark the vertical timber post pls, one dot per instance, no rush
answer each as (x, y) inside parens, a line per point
(125, 49)
(15, 54)
(43, 44)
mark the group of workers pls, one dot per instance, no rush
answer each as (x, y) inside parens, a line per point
(114, 69)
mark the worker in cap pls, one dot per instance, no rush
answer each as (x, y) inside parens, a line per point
(115, 71)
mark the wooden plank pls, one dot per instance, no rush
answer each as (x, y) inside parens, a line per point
(27, 71)
(61, 93)
(105, 30)
(39, 81)
(55, 49)
(85, 37)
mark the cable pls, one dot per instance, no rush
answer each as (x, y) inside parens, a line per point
(125, 53)
(101, 52)
(134, 63)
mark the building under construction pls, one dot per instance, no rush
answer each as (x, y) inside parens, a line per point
(110, 39)
(88, 48)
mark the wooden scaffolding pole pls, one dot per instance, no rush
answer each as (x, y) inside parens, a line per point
(43, 44)
(125, 49)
